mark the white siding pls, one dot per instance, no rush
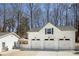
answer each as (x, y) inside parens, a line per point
(57, 34)
(9, 41)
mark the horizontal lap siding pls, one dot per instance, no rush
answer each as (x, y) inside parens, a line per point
(9, 41)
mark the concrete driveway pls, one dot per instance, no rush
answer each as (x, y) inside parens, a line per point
(40, 53)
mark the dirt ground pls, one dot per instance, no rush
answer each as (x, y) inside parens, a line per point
(40, 53)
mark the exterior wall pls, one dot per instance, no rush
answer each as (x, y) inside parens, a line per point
(57, 34)
(30, 37)
(68, 35)
(71, 35)
(9, 41)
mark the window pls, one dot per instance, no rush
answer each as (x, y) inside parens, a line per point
(51, 39)
(67, 39)
(33, 39)
(38, 39)
(14, 45)
(3, 44)
(46, 39)
(49, 31)
(61, 39)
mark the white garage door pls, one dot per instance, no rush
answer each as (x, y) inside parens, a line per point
(64, 44)
(49, 44)
(35, 44)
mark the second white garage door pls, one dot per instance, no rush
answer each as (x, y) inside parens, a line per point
(49, 44)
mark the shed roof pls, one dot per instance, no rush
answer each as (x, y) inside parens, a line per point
(3, 34)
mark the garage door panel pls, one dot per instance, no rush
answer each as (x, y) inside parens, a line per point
(52, 44)
(49, 44)
(64, 45)
(36, 45)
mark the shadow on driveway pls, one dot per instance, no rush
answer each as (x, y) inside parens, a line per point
(76, 53)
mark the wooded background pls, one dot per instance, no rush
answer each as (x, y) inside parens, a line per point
(20, 18)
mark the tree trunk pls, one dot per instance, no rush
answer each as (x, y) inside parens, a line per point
(47, 12)
(31, 14)
(66, 17)
(4, 26)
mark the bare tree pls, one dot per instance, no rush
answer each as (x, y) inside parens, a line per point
(31, 9)
(4, 16)
(37, 15)
(17, 9)
(47, 6)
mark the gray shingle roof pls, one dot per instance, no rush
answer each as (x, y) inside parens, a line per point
(35, 30)
(3, 34)
(62, 28)
(66, 28)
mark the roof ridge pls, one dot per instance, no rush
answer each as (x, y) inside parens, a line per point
(8, 34)
(66, 28)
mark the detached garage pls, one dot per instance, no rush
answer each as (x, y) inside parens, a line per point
(51, 37)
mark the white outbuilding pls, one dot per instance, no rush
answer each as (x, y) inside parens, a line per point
(51, 37)
(8, 41)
